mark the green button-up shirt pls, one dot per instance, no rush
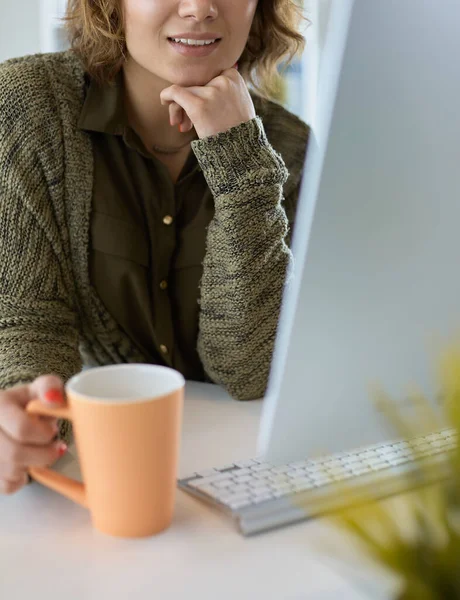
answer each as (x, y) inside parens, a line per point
(147, 235)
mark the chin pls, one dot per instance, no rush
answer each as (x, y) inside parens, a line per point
(191, 77)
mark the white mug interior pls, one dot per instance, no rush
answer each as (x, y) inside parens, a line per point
(125, 383)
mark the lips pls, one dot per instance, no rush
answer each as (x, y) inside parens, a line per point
(194, 50)
(195, 36)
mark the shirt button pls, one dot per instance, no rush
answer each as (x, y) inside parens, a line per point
(168, 220)
(164, 349)
(163, 285)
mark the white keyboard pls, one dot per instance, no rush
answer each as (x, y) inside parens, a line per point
(260, 496)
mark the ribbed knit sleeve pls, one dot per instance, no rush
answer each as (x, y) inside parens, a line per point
(247, 259)
(38, 326)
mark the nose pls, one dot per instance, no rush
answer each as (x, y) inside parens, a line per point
(198, 10)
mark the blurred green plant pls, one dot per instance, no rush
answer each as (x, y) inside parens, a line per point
(426, 555)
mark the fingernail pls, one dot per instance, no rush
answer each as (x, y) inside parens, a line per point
(54, 396)
(62, 449)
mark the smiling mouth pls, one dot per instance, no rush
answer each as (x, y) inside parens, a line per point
(194, 43)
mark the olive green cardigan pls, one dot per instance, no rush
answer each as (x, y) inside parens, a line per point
(51, 319)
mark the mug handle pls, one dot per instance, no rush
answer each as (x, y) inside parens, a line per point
(70, 488)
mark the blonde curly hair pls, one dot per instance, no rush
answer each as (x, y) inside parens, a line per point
(96, 32)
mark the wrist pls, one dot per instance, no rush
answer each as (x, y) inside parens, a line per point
(240, 156)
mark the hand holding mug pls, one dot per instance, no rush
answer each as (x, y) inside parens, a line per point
(28, 440)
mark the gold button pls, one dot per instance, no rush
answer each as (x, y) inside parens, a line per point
(163, 285)
(168, 220)
(164, 349)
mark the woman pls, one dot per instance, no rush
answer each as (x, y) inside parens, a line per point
(145, 197)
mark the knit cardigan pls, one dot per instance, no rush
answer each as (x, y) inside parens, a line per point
(51, 318)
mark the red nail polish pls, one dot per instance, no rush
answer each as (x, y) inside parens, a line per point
(54, 396)
(62, 449)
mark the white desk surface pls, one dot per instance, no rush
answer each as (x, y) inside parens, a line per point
(49, 550)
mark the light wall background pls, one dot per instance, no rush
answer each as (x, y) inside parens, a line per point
(19, 28)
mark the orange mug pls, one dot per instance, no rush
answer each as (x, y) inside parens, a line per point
(127, 423)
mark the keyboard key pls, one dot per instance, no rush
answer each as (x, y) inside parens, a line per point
(207, 480)
(337, 471)
(418, 442)
(265, 475)
(210, 490)
(244, 471)
(401, 445)
(280, 494)
(257, 484)
(296, 473)
(321, 459)
(236, 504)
(301, 487)
(260, 499)
(386, 450)
(344, 475)
(314, 468)
(278, 478)
(320, 481)
(368, 454)
(301, 480)
(361, 471)
(223, 497)
(432, 436)
(282, 469)
(281, 486)
(225, 483)
(260, 468)
(226, 468)
(239, 488)
(391, 456)
(260, 492)
(348, 460)
(242, 479)
(374, 461)
(299, 464)
(438, 443)
(332, 463)
(378, 466)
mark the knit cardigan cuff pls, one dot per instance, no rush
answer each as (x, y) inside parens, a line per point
(239, 158)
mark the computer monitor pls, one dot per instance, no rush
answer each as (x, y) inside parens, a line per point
(376, 290)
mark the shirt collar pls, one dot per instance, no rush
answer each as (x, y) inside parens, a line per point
(104, 109)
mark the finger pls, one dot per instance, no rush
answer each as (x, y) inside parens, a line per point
(190, 99)
(24, 428)
(176, 114)
(49, 389)
(11, 472)
(40, 388)
(27, 455)
(11, 487)
(186, 124)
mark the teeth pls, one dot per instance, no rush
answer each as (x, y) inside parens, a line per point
(194, 42)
